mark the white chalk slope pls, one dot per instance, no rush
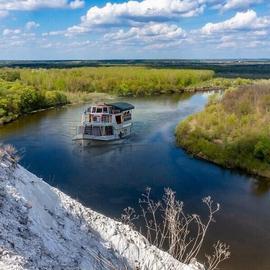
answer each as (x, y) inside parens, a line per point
(42, 228)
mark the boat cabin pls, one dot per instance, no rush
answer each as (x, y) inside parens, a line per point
(108, 121)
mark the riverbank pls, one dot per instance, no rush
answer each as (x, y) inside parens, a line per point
(24, 91)
(70, 100)
(233, 130)
(41, 227)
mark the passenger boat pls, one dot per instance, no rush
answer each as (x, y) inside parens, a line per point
(105, 123)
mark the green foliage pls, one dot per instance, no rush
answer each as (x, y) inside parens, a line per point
(17, 99)
(10, 75)
(30, 100)
(54, 98)
(124, 81)
(233, 130)
(220, 84)
(25, 90)
(262, 149)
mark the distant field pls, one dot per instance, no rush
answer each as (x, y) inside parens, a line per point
(225, 68)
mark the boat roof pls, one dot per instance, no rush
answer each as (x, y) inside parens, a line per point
(122, 106)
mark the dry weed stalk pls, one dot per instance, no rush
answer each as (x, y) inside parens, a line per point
(10, 154)
(128, 216)
(221, 253)
(181, 235)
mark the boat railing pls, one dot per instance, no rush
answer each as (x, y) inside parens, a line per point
(101, 121)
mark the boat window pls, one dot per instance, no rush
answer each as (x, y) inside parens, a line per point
(127, 116)
(94, 109)
(105, 118)
(118, 119)
(105, 110)
(99, 110)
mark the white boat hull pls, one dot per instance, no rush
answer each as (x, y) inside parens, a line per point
(87, 141)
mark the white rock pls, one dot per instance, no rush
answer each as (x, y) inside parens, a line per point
(42, 228)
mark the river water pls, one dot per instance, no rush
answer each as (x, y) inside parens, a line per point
(110, 178)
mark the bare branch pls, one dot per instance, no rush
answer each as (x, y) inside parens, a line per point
(221, 253)
(168, 227)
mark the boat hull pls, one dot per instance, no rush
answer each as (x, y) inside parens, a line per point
(87, 140)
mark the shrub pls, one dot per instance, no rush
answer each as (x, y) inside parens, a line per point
(262, 149)
(17, 99)
(10, 75)
(53, 98)
(10, 154)
(30, 100)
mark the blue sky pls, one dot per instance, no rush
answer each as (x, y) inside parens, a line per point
(98, 29)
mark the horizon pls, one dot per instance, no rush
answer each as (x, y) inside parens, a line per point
(136, 59)
(37, 30)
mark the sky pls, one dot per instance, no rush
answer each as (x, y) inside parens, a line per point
(138, 29)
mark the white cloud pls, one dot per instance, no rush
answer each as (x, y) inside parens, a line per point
(260, 33)
(239, 42)
(31, 25)
(134, 12)
(143, 24)
(3, 13)
(238, 4)
(142, 29)
(53, 33)
(8, 5)
(47, 45)
(8, 32)
(158, 35)
(77, 4)
(243, 30)
(242, 21)
(149, 32)
(16, 38)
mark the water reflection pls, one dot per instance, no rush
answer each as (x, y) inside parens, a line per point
(260, 186)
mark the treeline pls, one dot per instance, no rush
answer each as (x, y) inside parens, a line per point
(256, 69)
(17, 99)
(233, 130)
(123, 81)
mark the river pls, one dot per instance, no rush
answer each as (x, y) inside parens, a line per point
(110, 178)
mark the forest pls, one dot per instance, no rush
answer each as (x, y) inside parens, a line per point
(23, 90)
(233, 130)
